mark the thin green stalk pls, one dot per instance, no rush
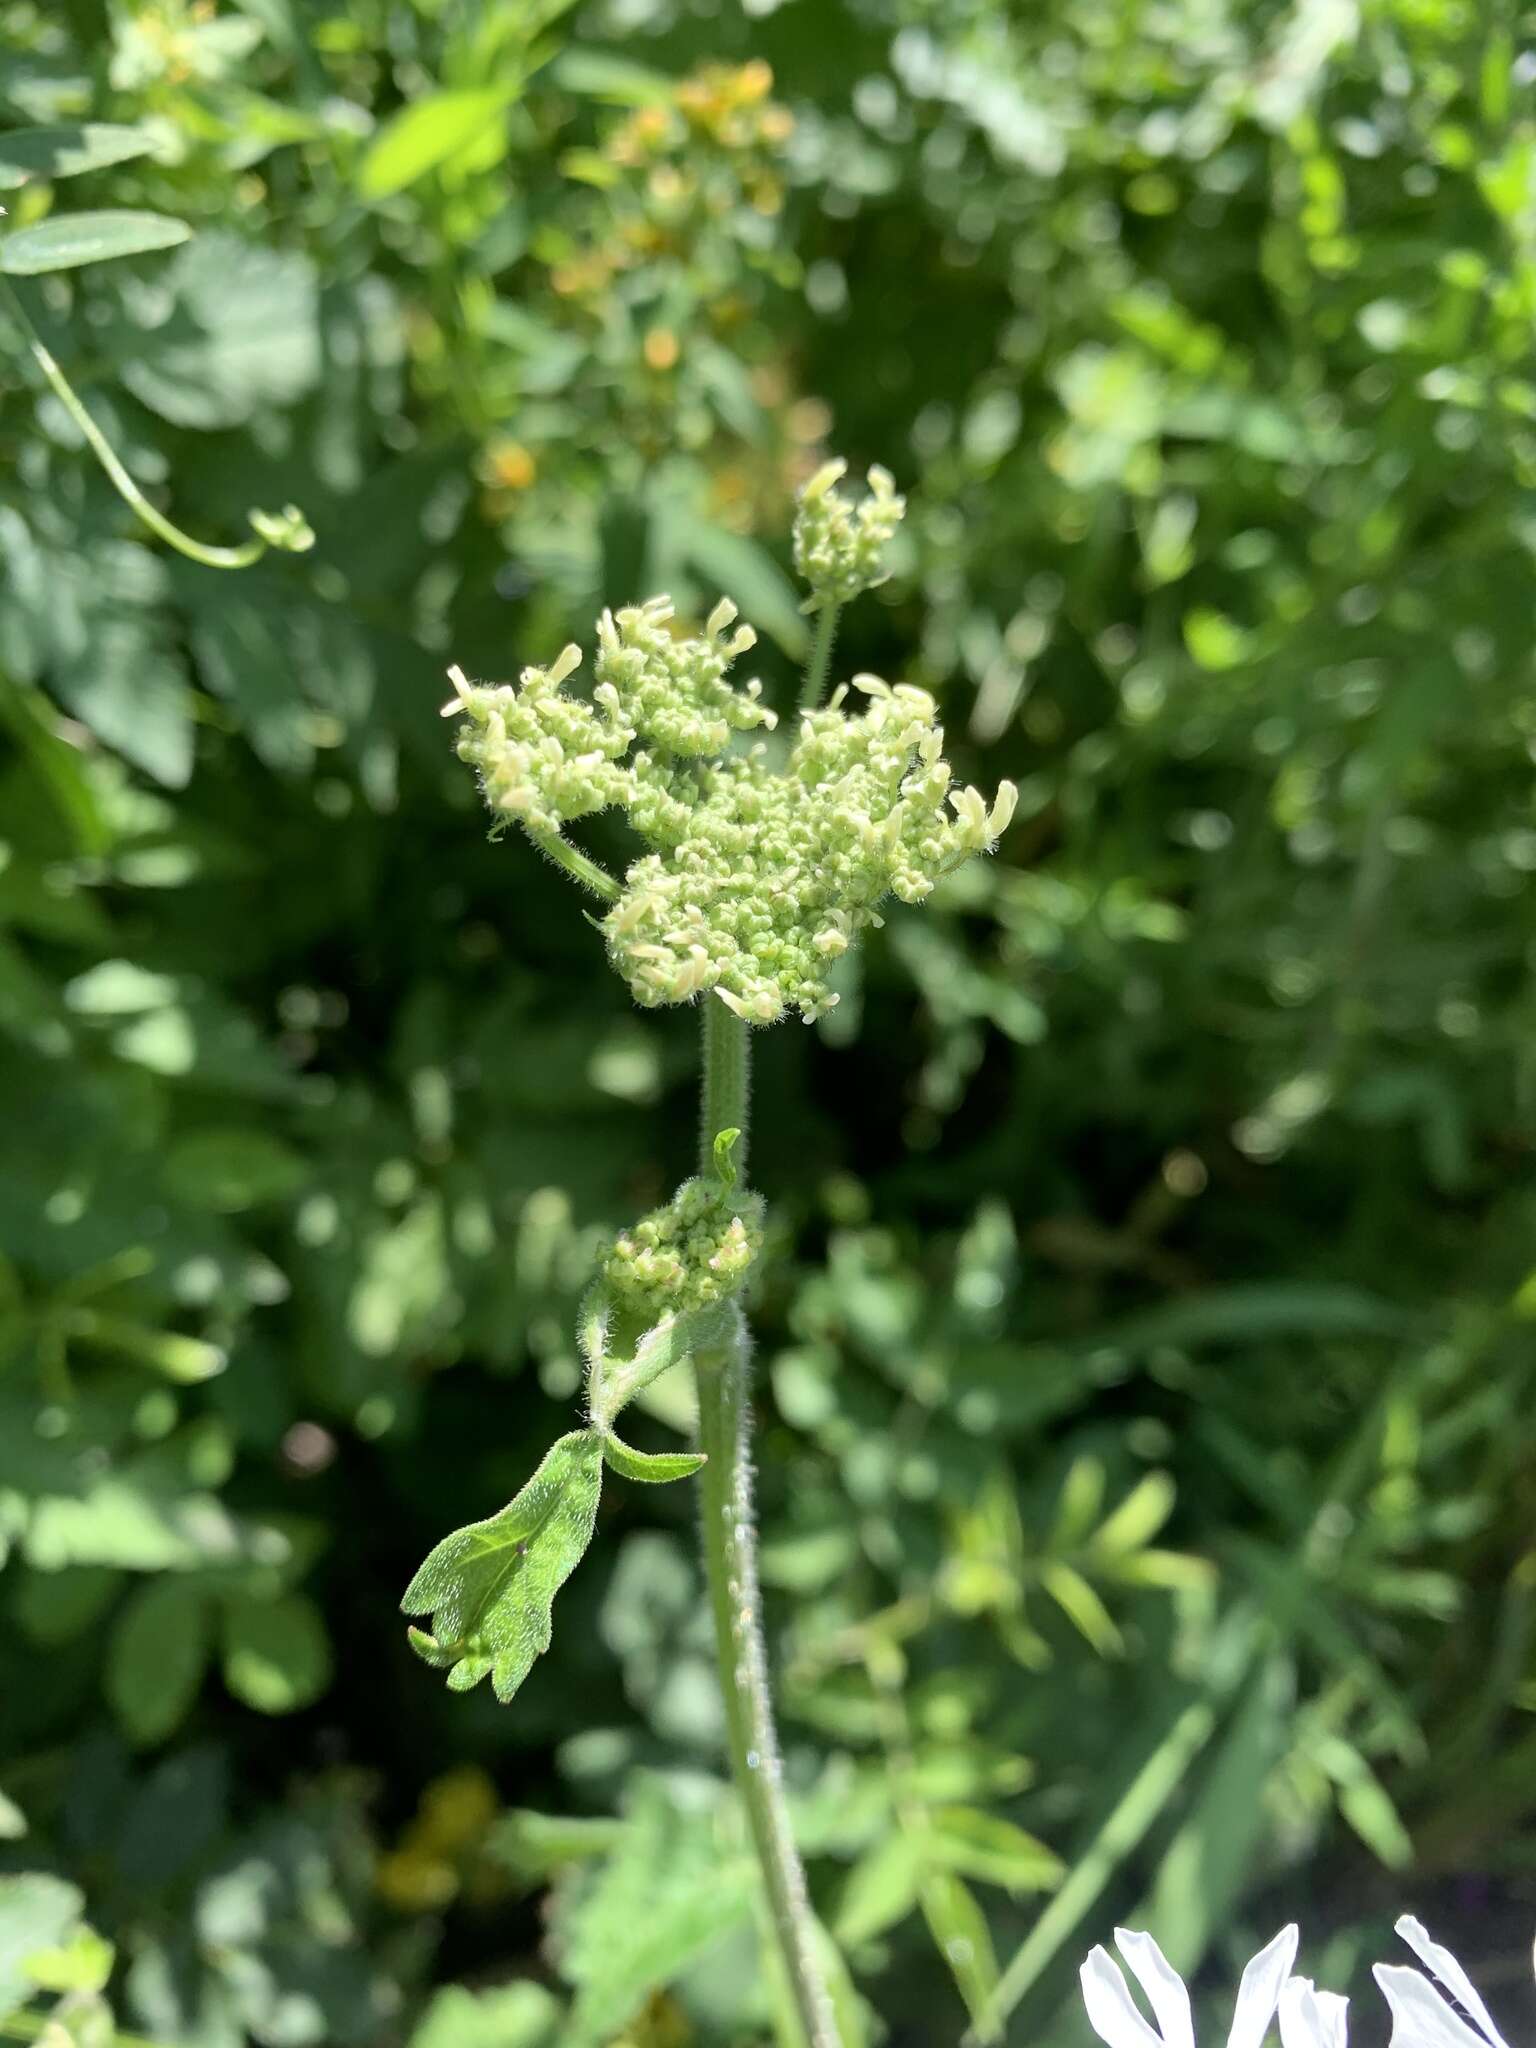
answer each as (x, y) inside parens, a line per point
(1138, 1807)
(286, 530)
(820, 657)
(729, 1544)
(576, 864)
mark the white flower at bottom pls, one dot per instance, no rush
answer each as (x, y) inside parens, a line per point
(1423, 2017)
(1309, 2019)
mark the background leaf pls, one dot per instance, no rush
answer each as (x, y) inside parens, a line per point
(68, 240)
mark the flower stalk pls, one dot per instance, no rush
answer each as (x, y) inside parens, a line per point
(756, 873)
(728, 1541)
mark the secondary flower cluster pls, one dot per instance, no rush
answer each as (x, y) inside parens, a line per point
(758, 875)
(840, 547)
(688, 1254)
(1446, 2013)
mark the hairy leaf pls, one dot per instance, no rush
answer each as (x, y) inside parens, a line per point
(490, 1587)
(650, 1468)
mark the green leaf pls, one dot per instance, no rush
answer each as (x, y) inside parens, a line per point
(879, 1891)
(533, 1845)
(506, 2016)
(186, 1360)
(426, 134)
(1365, 1802)
(67, 240)
(667, 1896)
(243, 333)
(723, 1147)
(1082, 1606)
(1138, 1518)
(959, 1928)
(83, 1963)
(603, 75)
(992, 1850)
(229, 1170)
(13, 1822)
(37, 1913)
(1210, 1858)
(276, 1653)
(130, 687)
(64, 152)
(650, 1468)
(490, 1588)
(156, 1657)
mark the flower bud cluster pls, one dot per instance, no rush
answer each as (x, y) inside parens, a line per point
(840, 547)
(773, 875)
(674, 691)
(543, 758)
(757, 874)
(690, 1253)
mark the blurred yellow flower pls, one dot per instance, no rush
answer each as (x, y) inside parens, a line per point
(660, 348)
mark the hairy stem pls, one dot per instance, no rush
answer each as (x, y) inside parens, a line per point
(729, 1540)
(820, 657)
(725, 1096)
(576, 864)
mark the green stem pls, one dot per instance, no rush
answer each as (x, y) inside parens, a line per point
(197, 551)
(725, 1102)
(575, 863)
(729, 1543)
(820, 657)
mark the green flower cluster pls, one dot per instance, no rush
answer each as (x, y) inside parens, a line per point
(762, 878)
(840, 547)
(688, 1254)
(545, 759)
(758, 872)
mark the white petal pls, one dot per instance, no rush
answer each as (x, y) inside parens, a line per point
(1259, 1992)
(1111, 2010)
(1162, 1984)
(1421, 2018)
(1310, 2018)
(1442, 1964)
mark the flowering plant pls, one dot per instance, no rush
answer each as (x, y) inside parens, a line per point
(761, 861)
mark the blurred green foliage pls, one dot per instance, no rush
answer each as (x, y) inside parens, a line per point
(1146, 1433)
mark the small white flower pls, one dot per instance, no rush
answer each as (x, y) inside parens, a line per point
(1116, 2019)
(1423, 2017)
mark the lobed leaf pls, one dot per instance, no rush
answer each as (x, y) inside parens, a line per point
(490, 1587)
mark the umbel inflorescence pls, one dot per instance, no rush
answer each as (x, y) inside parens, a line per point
(762, 864)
